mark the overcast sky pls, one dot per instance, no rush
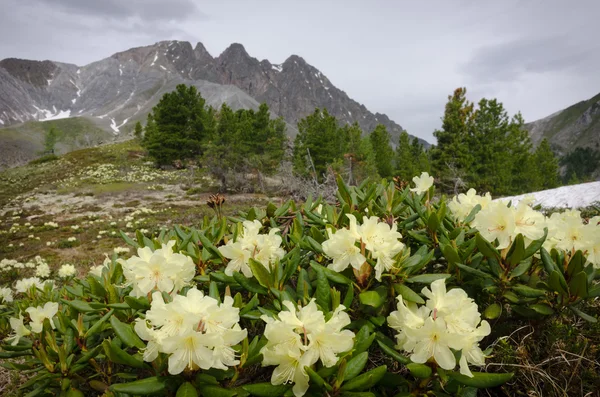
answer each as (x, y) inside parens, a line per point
(402, 58)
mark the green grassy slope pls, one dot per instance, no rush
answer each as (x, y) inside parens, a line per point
(24, 142)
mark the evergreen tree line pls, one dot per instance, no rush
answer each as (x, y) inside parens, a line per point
(484, 148)
(323, 143)
(182, 127)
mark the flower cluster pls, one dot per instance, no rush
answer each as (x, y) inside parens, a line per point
(194, 330)
(449, 320)
(462, 204)
(264, 248)
(497, 221)
(38, 315)
(162, 270)
(300, 338)
(347, 246)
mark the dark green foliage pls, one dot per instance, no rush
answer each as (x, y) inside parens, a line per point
(484, 148)
(318, 144)
(244, 141)
(411, 159)
(180, 124)
(380, 141)
(138, 131)
(546, 166)
(50, 140)
(359, 158)
(580, 164)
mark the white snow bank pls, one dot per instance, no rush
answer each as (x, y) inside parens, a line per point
(278, 68)
(574, 196)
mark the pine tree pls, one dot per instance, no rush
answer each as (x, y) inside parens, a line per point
(318, 144)
(138, 131)
(384, 154)
(359, 159)
(50, 140)
(405, 162)
(546, 166)
(420, 157)
(450, 158)
(181, 122)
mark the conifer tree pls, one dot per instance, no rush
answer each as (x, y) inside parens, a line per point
(384, 154)
(405, 161)
(50, 140)
(546, 166)
(138, 131)
(318, 144)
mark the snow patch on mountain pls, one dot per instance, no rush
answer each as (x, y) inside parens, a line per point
(278, 68)
(574, 196)
(155, 58)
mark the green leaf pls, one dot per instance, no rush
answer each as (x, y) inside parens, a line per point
(261, 273)
(427, 278)
(433, 222)
(332, 275)
(542, 308)
(141, 387)
(126, 333)
(583, 315)
(128, 240)
(485, 247)
(365, 340)
(527, 291)
(355, 365)
(79, 305)
(366, 380)
(95, 287)
(451, 254)
(472, 270)
(555, 284)
(481, 380)
(316, 379)
(578, 285)
(119, 356)
(266, 389)
(493, 311)
(517, 250)
(408, 294)
(521, 268)
(98, 324)
(371, 298)
(393, 353)
(535, 245)
(472, 214)
(575, 264)
(421, 371)
(548, 262)
(249, 284)
(137, 303)
(187, 390)
(323, 293)
(215, 391)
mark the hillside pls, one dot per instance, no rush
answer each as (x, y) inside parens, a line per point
(117, 91)
(575, 126)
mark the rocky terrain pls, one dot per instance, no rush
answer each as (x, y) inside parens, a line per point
(114, 93)
(575, 126)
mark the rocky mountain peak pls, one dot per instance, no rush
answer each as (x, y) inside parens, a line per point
(36, 73)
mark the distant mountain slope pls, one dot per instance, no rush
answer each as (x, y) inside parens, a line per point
(119, 90)
(575, 126)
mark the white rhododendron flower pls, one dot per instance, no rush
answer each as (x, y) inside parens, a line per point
(497, 221)
(566, 230)
(42, 270)
(39, 314)
(6, 295)
(162, 270)
(299, 338)
(25, 284)
(19, 329)
(381, 240)
(422, 183)
(448, 320)
(264, 248)
(462, 204)
(66, 270)
(196, 331)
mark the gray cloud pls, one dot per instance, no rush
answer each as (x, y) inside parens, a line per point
(508, 61)
(148, 10)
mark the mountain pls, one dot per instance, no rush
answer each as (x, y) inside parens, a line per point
(576, 126)
(113, 93)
